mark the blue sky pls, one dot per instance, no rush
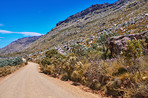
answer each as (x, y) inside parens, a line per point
(23, 18)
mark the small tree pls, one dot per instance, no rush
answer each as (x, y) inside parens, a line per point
(131, 55)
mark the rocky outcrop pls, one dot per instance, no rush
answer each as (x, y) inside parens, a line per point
(119, 43)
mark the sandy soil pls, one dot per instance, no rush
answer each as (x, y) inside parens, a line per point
(29, 83)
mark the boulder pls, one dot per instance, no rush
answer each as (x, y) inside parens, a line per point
(119, 43)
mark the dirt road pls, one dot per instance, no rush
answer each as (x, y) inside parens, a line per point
(29, 83)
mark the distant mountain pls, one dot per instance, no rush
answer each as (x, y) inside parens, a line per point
(18, 45)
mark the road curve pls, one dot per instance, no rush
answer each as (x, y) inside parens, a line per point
(29, 83)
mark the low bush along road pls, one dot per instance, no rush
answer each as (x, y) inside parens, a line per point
(29, 83)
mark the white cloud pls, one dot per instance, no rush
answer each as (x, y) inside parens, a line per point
(30, 33)
(1, 25)
(24, 33)
(5, 31)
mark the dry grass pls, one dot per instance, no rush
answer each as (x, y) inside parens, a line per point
(6, 70)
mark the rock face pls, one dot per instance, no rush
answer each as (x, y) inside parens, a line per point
(91, 9)
(85, 12)
(119, 43)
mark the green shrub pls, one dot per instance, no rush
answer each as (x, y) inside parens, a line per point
(48, 69)
(79, 71)
(68, 66)
(102, 42)
(134, 50)
(11, 62)
(78, 49)
(45, 61)
(51, 53)
(7, 66)
(132, 54)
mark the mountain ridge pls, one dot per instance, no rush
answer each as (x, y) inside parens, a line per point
(91, 9)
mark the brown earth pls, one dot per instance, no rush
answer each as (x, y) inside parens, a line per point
(29, 83)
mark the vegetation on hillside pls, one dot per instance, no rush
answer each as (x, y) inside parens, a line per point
(125, 75)
(127, 18)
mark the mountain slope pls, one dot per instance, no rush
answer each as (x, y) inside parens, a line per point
(123, 16)
(18, 45)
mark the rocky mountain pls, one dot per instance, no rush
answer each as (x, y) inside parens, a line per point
(121, 17)
(18, 45)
